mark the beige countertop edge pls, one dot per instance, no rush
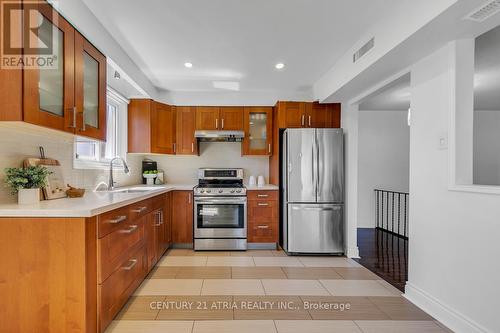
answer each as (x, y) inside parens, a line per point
(92, 204)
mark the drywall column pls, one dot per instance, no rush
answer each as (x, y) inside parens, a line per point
(453, 234)
(349, 120)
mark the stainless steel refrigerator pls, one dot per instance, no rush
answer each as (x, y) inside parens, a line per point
(312, 188)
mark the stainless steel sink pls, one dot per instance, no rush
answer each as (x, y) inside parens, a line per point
(138, 189)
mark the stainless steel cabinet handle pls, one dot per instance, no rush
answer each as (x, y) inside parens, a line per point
(160, 219)
(189, 199)
(309, 121)
(262, 195)
(262, 204)
(131, 230)
(263, 226)
(222, 123)
(192, 147)
(303, 120)
(269, 148)
(118, 219)
(139, 210)
(175, 147)
(129, 267)
(216, 123)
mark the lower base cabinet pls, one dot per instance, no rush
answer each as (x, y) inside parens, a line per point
(263, 208)
(182, 217)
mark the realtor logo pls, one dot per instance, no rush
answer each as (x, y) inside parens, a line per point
(28, 35)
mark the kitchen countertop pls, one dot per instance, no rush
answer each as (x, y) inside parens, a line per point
(92, 203)
(267, 187)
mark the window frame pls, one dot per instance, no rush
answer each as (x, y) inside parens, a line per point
(121, 103)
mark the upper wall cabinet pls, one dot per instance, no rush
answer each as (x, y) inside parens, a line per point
(258, 131)
(219, 118)
(207, 117)
(308, 115)
(151, 127)
(69, 96)
(90, 89)
(231, 118)
(186, 125)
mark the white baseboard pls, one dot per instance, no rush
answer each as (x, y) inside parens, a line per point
(452, 319)
(352, 252)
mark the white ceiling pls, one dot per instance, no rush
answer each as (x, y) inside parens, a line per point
(487, 71)
(236, 40)
(393, 97)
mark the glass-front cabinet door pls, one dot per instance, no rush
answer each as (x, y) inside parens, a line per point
(49, 80)
(258, 131)
(90, 89)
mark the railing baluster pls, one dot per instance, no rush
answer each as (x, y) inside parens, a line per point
(387, 215)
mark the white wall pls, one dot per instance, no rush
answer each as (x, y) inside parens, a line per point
(19, 141)
(383, 158)
(487, 147)
(454, 247)
(183, 168)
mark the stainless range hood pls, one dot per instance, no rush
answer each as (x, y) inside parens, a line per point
(219, 136)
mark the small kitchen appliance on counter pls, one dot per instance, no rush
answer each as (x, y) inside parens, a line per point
(220, 210)
(148, 165)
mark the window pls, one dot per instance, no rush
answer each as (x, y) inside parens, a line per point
(93, 154)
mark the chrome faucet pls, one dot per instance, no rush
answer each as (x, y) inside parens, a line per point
(111, 183)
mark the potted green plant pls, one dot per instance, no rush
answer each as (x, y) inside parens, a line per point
(26, 182)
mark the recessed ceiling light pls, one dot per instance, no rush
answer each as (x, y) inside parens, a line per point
(280, 65)
(188, 65)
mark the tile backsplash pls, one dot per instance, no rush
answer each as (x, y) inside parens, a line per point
(19, 141)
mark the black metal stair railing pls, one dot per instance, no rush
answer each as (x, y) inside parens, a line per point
(391, 212)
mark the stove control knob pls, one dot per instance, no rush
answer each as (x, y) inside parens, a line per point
(209, 191)
(238, 191)
(220, 191)
(201, 191)
(232, 191)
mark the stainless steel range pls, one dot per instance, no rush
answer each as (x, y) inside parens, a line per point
(220, 210)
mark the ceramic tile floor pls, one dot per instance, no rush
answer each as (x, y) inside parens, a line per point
(266, 291)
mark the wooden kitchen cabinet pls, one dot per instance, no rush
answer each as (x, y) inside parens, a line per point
(151, 127)
(186, 126)
(323, 115)
(182, 217)
(49, 94)
(90, 89)
(231, 118)
(258, 131)
(212, 118)
(207, 118)
(263, 208)
(163, 129)
(71, 96)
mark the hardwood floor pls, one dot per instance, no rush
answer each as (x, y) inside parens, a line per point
(384, 254)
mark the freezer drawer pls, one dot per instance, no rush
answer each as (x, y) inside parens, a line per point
(315, 228)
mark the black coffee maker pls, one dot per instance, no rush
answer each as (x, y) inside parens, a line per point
(148, 165)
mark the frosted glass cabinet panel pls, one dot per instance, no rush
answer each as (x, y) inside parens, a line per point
(51, 82)
(90, 90)
(258, 131)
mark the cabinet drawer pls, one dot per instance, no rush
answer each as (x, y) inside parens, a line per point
(114, 292)
(113, 220)
(115, 248)
(263, 232)
(262, 210)
(140, 208)
(262, 195)
(158, 202)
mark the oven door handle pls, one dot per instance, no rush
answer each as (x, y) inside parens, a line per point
(220, 200)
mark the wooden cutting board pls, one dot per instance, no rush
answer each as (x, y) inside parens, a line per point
(56, 187)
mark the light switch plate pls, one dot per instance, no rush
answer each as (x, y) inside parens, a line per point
(443, 141)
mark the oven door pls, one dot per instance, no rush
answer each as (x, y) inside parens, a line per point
(223, 217)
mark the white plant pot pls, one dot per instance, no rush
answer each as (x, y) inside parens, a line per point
(150, 178)
(28, 196)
